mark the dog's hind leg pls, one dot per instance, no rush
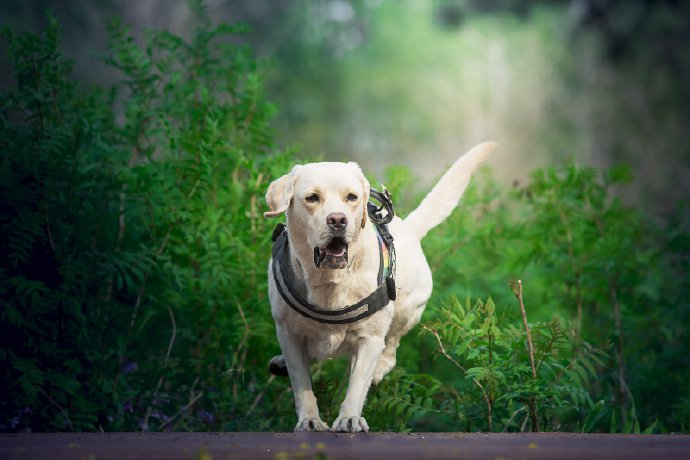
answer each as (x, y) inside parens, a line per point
(277, 366)
(387, 359)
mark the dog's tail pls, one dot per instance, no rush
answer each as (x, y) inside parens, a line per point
(444, 197)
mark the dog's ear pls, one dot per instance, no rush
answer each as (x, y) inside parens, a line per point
(365, 191)
(280, 192)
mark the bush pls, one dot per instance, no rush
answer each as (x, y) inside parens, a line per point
(497, 389)
(594, 271)
(134, 249)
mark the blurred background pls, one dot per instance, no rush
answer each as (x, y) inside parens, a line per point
(417, 82)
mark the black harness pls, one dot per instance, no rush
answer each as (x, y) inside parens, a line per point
(382, 295)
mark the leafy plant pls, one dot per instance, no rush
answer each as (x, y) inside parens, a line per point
(497, 390)
(133, 282)
(608, 271)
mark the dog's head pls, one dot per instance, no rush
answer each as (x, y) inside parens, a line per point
(326, 206)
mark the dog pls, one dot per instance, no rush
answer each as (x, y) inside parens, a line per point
(331, 258)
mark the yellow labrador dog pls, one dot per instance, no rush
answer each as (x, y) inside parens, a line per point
(327, 293)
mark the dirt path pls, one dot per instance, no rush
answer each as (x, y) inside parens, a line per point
(283, 446)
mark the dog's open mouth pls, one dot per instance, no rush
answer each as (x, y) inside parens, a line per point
(333, 255)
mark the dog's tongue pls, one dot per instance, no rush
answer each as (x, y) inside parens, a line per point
(336, 248)
(336, 252)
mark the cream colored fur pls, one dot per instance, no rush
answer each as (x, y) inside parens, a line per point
(371, 343)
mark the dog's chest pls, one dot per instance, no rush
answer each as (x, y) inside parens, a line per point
(328, 342)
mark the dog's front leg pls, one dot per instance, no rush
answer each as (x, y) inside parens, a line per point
(362, 368)
(297, 361)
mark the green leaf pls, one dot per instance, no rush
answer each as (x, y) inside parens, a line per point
(595, 414)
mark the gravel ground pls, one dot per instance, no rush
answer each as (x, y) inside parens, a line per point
(283, 446)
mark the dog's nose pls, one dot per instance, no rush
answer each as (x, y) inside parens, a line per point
(336, 220)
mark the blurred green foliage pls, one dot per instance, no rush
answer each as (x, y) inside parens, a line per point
(604, 273)
(134, 249)
(602, 81)
(133, 268)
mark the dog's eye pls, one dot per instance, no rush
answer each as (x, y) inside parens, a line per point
(351, 197)
(313, 198)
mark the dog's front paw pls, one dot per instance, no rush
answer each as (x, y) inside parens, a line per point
(311, 424)
(350, 425)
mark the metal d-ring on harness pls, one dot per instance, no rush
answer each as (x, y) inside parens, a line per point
(382, 295)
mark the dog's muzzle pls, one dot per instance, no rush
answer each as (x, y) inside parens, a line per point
(333, 255)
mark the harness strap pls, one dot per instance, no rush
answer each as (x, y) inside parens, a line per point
(384, 293)
(384, 259)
